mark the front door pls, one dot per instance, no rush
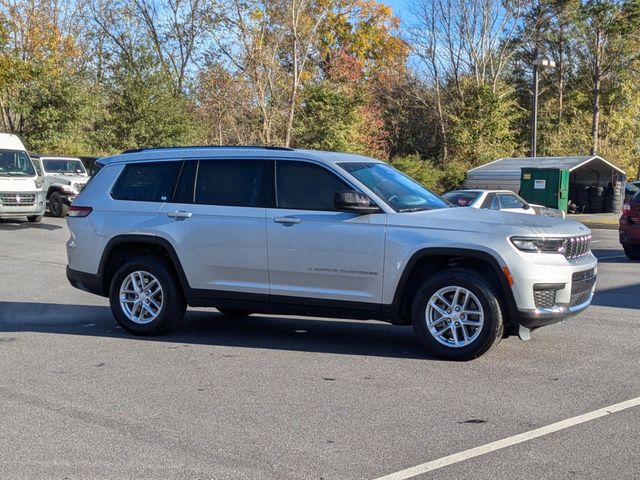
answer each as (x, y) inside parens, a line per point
(316, 252)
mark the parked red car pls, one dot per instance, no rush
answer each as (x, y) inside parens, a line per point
(630, 227)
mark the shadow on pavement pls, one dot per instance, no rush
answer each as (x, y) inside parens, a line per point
(212, 328)
(618, 297)
(24, 225)
(610, 255)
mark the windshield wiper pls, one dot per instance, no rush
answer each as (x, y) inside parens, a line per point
(413, 209)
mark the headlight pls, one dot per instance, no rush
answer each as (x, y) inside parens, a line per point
(38, 183)
(540, 245)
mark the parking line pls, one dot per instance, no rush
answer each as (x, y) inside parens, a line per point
(509, 441)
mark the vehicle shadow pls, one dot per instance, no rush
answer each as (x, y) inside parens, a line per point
(212, 328)
(24, 225)
(618, 297)
(611, 255)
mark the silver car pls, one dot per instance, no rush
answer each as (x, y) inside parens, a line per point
(275, 230)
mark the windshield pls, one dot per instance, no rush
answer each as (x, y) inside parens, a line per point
(461, 199)
(400, 192)
(63, 166)
(16, 163)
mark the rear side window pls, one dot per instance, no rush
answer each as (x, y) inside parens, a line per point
(147, 182)
(234, 183)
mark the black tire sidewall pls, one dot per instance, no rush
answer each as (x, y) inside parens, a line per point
(173, 307)
(632, 252)
(492, 328)
(60, 209)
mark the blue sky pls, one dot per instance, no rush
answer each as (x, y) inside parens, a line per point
(399, 8)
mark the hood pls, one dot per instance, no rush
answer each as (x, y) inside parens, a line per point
(69, 177)
(17, 184)
(472, 220)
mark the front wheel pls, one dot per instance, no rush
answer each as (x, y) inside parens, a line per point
(145, 296)
(57, 207)
(632, 251)
(456, 314)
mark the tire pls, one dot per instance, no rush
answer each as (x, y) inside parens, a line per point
(632, 251)
(57, 207)
(163, 309)
(475, 294)
(34, 218)
(234, 312)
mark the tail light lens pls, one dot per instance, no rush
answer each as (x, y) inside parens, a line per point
(79, 211)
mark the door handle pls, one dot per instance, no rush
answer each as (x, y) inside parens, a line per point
(286, 220)
(179, 214)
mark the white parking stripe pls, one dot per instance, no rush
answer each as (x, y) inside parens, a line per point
(507, 442)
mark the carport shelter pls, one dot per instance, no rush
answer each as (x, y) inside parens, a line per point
(585, 173)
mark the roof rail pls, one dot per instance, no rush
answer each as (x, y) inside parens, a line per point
(266, 147)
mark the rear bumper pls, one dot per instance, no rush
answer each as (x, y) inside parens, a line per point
(88, 282)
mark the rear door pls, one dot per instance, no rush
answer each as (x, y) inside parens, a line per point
(216, 223)
(316, 252)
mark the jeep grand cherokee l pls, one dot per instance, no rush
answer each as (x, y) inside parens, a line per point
(275, 230)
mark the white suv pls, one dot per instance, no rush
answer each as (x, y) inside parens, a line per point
(62, 179)
(276, 230)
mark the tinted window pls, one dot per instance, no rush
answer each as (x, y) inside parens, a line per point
(305, 186)
(147, 182)
(239, 183)
(509, 201)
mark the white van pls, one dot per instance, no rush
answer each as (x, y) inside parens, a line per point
(21, 193)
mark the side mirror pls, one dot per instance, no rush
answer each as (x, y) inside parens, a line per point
(526, 206)
(354, 202)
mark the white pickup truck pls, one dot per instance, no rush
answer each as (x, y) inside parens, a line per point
(21, 193)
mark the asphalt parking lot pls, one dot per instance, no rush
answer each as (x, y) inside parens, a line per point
(289, 398)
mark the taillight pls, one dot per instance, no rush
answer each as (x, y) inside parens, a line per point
(626, 209)
(79, 211)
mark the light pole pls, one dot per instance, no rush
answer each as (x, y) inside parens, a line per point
(537, 63)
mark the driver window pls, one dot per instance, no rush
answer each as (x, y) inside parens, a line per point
(305, 186)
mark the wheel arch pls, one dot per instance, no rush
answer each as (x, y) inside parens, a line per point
(431, 260)
(124, 247)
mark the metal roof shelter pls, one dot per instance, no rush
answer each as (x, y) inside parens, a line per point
(504, 173)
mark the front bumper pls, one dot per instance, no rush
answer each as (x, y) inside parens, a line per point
(13, 205)
(549, 288)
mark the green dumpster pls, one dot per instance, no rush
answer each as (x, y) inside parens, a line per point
(545, 186)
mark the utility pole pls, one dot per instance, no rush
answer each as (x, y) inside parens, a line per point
(537, 63)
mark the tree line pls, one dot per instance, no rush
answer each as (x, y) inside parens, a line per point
(446, 89)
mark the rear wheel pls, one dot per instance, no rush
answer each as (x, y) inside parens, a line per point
(57, 207)
(34, 218)
(145, 296)
(456, 314)
(234, 312)
(632, 251)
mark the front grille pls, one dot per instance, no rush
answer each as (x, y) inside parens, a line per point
(581, 286)
(577, 246)
(17, 199)
(579, 298)
(544, 298)
(584, 275)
